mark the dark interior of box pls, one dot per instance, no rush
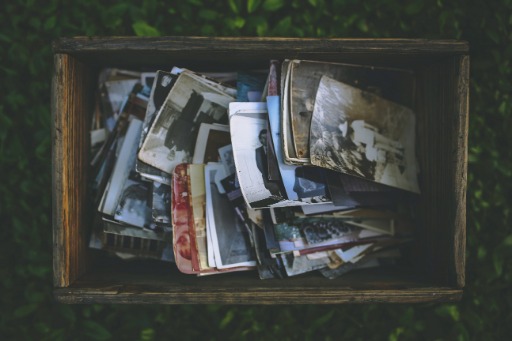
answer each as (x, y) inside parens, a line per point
(426, 263)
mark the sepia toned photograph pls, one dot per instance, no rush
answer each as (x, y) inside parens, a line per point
(361, 134)
(172, 137)
(396, 85)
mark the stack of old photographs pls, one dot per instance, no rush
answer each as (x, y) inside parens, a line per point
(133, 218)
(339, 178)
(309, 166)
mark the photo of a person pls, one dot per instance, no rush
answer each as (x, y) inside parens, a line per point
(361, 134)
(369, 140)
(262, 163)
(133, 206)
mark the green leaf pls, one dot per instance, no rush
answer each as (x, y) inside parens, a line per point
(95, 330)
(237, 23)
(50, 23)
(25, 310)
(147, 334)
(450, 311)
(262, 29)
(414, 7)
(362, 25)
(283, 26)
(208, 14)
(143, 29)
(235, 6)
(227, 319)
(508, 240)
(497, 260)
(253, 5)
(273, 5)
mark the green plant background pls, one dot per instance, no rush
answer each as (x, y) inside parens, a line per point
(27, 28)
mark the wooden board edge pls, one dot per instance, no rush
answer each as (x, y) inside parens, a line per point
(461, 142)
(177, 43)
(60, 254)
(69, 143)
(317, 296)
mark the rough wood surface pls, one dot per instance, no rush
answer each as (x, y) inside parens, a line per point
(69, 153)
(234, 44)
(442, 139)
(461, 169)
(253, 52)
(143, 282)
(254, 296)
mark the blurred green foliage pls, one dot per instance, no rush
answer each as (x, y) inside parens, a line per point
(27, 28)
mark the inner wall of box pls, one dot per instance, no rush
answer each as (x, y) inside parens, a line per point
(435, 90)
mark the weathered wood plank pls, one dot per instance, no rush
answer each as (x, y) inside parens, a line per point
(255, 44)
(266, 297)
(69, 153)
(461, 168)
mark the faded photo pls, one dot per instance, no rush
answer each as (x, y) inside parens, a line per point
(358, 133)
(249, 141)
(396, 85)
(211, 137)
(161, 204)
(135, 204)
(171, 139)
(162, 85)
(230, 238)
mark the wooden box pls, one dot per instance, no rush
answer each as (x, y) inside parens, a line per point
(436, 272)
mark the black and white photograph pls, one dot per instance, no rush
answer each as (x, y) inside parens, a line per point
(162, 85)
(124, 164)
(393, 84)
(230, 238)
(227, 159)
(118, 91)
(172, 137)
(249, 141)
(210, 138)
(134, 206)
(161, 204)
(361, 134)
(301, 183)
(296, 265)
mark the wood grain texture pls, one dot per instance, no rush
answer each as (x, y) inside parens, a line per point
(253, 52)
(252, 296)
(442, 135)
(235, 44)
(70, 114)
(143, 282)
(461, 168)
